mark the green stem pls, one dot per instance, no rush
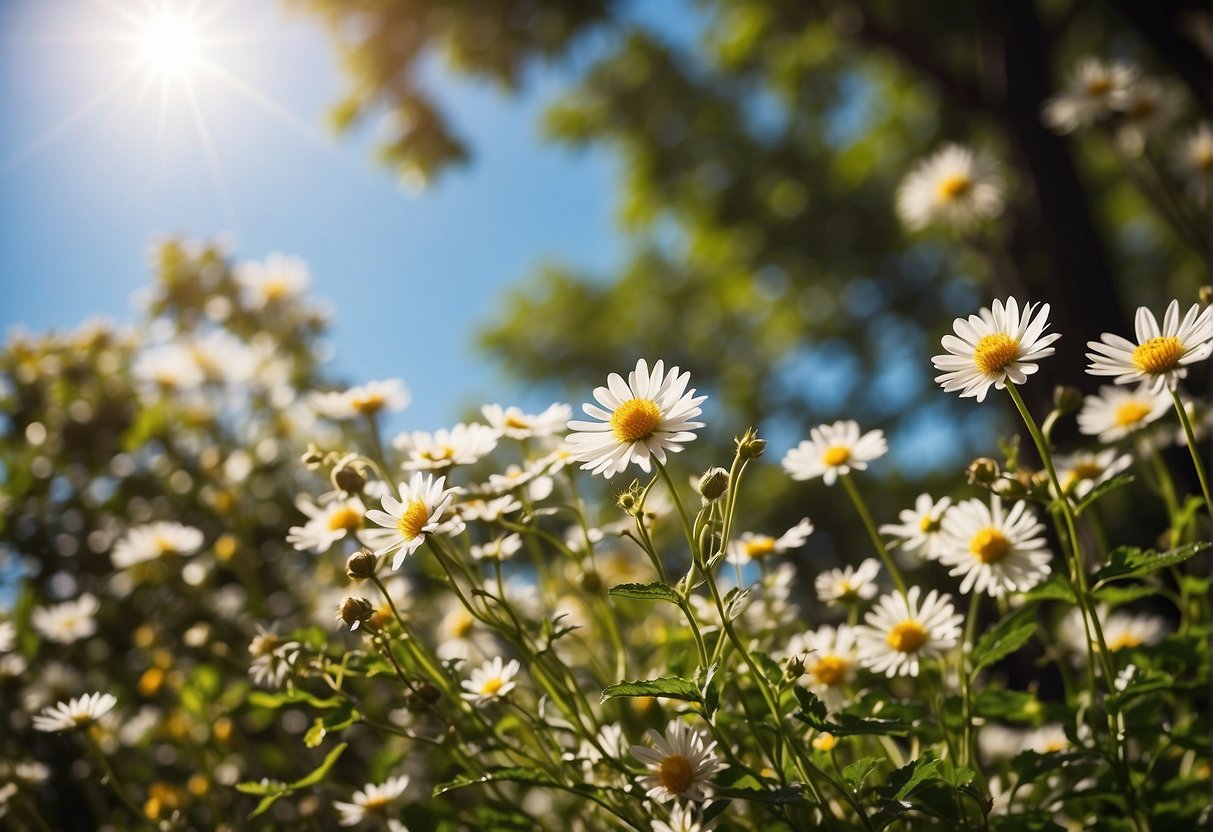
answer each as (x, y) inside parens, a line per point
(682, 512)
(966, 679)
(1188, 432)
(112, 779)
(866, 517)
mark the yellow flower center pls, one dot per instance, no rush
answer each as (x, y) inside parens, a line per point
(1123, 642)
(989, 545)
(1131, 412)
(844, 589)
(368, 403)
(995, 352)
(928, 524)
(515, 422)
(1053, 746)
(831, 669)
(954, 186)
(907, 636)
(1204, 157)
(676, 773)
(440, 454)
(1158, 354)
(491, 686)
(635, 419)
(276, 289)
(836, 455)
(345, 518)
(414, 518)
(163, 545)
(462, 627)
(375, 804)
(759, 546)
(1099, 87)
(1087, 471)
(825, 741)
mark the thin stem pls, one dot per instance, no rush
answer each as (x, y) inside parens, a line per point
(1188, 432)
(966, 679)
(682, 512)
(866, 517)
(112, 778)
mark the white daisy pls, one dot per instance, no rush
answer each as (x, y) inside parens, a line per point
(155, 540)
(488, 511)
(1160, 356)
(919, 529)
(1124, 631)
(460, 635)
(996, 345)
(955, 186)
(1081, 471)
(371, 801)
(273, 658)
(834, 450)
(75, 713)
(168, 367)
(490, 682)
(1116, 412)
(367, 399)
(222, 357)
(68, 622)
(532, 479)
(512, 422)
(1146, 108)
(685, 818)
(1091, 94)
(499, 548)
(643, 418)
(332, 522)
(680, 764)
(277, 279)
(418, 512)
(461, 445)
(899, 631)
(1046, 739)
(752, 546)
(848, 585)
(1193, 162)
(830, 662)
(996, 553)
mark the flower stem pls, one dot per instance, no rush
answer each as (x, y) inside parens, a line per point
(1191, 435)
(866, 517)
(112, 778)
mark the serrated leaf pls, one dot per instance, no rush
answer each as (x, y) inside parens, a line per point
(1003, 639)
(668, 687)
(909, 778)
(1131, 562)
(857, 773)
(1100, 490)
(656, 591)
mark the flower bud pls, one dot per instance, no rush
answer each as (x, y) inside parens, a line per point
(749, 446)
(825, 741)
(713, 485)
(1066, 399)
(629, 501)
(982, 471)
(591, 582)
(361, 565)
(349, 476)
(422, 697)
(793, 668)
(1205, 295)
(312, 458)
(1009, 488)
(354, 610)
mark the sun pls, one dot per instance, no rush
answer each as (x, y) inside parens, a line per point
(170, 45)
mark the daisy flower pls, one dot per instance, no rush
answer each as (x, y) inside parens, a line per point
(68, 622)
(273, 658)
(1124, 631)
(1146, 108)
(512, 422)
(1047, 739)
(277, 279)
(830, 662)
(371, 801)
(992, 347)
(461, 445)
(834, 450)
(490, 682)
(1116, 412)
(900, 631)
(499, 548)
(919, 529)
(848, 585)
(1161, 355)
(488, 511)
(168, 367)
(955, 186)
(1081, 471)
(367, 399)
(1093, 91)
(418, 512)
(75, 713)
(685, 818)
(332, 522)
(1193, 162)
(532, 479)
(155, 540)
(641, 419)
(752, 546)
(996, 552)
(680, 764)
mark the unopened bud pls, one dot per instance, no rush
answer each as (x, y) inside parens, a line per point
(793, 668)
(349, 476)
(354, 610)
(313, 457)
(361, 565)
(1205, 295)
(591, 582)
(1009, 488)
(422, 697)
(1066, 399)
(982, 471)
(714, 484)
(629, 501)
(749, 446)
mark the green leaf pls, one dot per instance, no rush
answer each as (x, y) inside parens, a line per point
(912, 776)
(1056, 588)
(321, 770)
(1100, 490)
(656, 591)
(266, 803)
(264, 699)
(1008, 705)
(792, 793)
(668, 687)
(509, 774)
(1004, 638)
(261, 787)
(857, 773)
(1115, 595)
(1131, 562)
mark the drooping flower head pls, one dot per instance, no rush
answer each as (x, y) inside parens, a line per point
(900, 631)
(1117, 412)
(834, 450)
(955, 187)
(642, 418)
(997, 552)
(75, 713)
(1162, 354)
(418, 512)
(680, 764)
(373, 800)
(997, 345)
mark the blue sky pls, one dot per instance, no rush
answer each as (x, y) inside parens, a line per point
(407, 276)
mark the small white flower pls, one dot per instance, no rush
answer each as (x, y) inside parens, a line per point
(1193, 162)
(830, 661)
(68, 622)
(463, 444)
(418, 512)
(490, 682)
(1081, 471)
(1146, 108)
(955, 186)
(512, 422)
(273, 658)
(994, 346)
(996, 553)
(680, 764)
(531, 481)
(685, 818)
(641, 419)
(899, 632)
(752, 546)
(367, 399)
(76, 713)
(920, 527)
(168, 367)
(155, 540)
(1117, 412)
(848, 585)
(333, 522)
(8, 636)
(1124, 631)
(1091, 94)
(834, 450)
(488, 511)
(499, 548)
(1047, 739)
(371, 801)
(278, 279)
(1161, 355)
